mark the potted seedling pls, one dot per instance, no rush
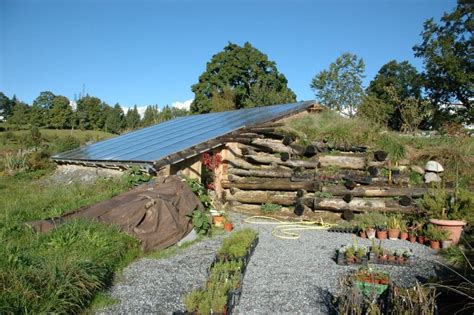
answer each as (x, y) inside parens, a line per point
(435, 235)
(448, 211)
(362, 230)
(350, 255)
(403, 230)
(408, 255)
(376, 251)
(360, 253)
(381, 231)
(370, 231)
(412, 236)
(393, 225)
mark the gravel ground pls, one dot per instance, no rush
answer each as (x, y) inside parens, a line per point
(283, 276)
(156, 286)
(298, 276)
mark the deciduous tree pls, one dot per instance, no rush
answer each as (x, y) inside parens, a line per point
(60, 113)
(340, 87)
(448, 55)
(245, 73)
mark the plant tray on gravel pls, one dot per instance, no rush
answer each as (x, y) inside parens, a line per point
(225, 276)
(371, 282)
(375, 254)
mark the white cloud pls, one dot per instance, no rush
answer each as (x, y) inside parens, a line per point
(182, 105)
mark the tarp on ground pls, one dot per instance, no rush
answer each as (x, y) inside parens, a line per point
(157, 214)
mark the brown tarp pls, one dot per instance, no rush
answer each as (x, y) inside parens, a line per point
(157, 214)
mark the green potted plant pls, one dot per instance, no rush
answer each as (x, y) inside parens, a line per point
(435, 235)
(449, 211)
(381, 231)
(393, 225)
(403, 230)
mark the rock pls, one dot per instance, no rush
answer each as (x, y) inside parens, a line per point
(433, 166)
(188, 238)
(417, 169)
(432, 178)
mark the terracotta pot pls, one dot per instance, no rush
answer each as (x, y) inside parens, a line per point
(382, 235)
(434, 244)
(404, 236)
(228, 227)
(362, 234)
(370, 233)
(421, 239)
(393, 234)
(446, 243)
(413, 238)
(452, 226)
(218, 221)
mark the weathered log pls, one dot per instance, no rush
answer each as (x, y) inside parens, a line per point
(252, 209)
(356, 205)
(278, 184)
(242, 164)
(325, 146)
(274, 173)
(260, 197)
(268, 159)
(274, 145)
(372, 191)
(343, 161)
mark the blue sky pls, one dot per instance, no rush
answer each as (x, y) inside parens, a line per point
(151, 52)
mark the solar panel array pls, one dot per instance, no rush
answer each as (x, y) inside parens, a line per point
(154, 143)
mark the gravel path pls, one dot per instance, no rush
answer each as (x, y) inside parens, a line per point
(283, 276)
(156, 286)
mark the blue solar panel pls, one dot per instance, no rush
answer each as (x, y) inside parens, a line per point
(154, 143)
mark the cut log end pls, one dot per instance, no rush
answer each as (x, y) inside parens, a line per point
(405, 201)
(347, 198)
(347, 215)
(285, 156)
(350, 184)
(373, 171)
(380, 155)
(299, 209)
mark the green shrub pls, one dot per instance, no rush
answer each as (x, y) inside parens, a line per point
(67, 143)
(434, 233)
(200, 191)
(201, 222)
(393, 146)
(236, 245)
(135, 176)
(270, 208)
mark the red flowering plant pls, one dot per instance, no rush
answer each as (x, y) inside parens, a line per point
(211, 162)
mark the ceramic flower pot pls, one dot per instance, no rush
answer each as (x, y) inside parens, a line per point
(218, 221)
(412, 238)
(421, 239)
(446, 243)
(370, 233)
(228, 227)
(454, 227)
(434, 244)
(404, 236)
(393, 234)
(382, 235)
(362, 234)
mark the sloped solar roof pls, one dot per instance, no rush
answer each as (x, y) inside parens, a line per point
(151, 144)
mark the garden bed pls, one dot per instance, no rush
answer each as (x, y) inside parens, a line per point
(223, 289)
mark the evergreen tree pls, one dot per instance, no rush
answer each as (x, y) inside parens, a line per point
(61, 113)
(132, 118)
(6, 106)
(115, 120)
(151, 116)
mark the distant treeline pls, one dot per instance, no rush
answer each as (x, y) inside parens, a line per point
(55, 111)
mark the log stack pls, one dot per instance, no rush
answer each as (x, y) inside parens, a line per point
(271, 167)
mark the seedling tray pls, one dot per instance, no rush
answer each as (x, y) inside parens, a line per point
(343, 230)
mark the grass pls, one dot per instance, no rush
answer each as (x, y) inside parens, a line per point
(62, 270)
(456, 154)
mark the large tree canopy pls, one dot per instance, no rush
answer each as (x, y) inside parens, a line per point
(6, 106)
(406, 82)
(340, 87)
(448, 55)
(240, 77)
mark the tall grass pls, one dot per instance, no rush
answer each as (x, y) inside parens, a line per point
(60, 271)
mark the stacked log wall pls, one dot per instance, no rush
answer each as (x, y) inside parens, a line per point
(265, 165)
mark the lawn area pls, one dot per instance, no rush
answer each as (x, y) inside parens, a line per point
(59, 271)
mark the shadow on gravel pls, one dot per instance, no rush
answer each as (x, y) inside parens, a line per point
(321, 299)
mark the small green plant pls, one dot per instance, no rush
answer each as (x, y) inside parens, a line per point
(416, 178)
(237, 245)
(201, 222)
(434, 233)
(135, 176)
(393, 221)
(199, 189)
(270, 208)
(323, 194)
(440, 204)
